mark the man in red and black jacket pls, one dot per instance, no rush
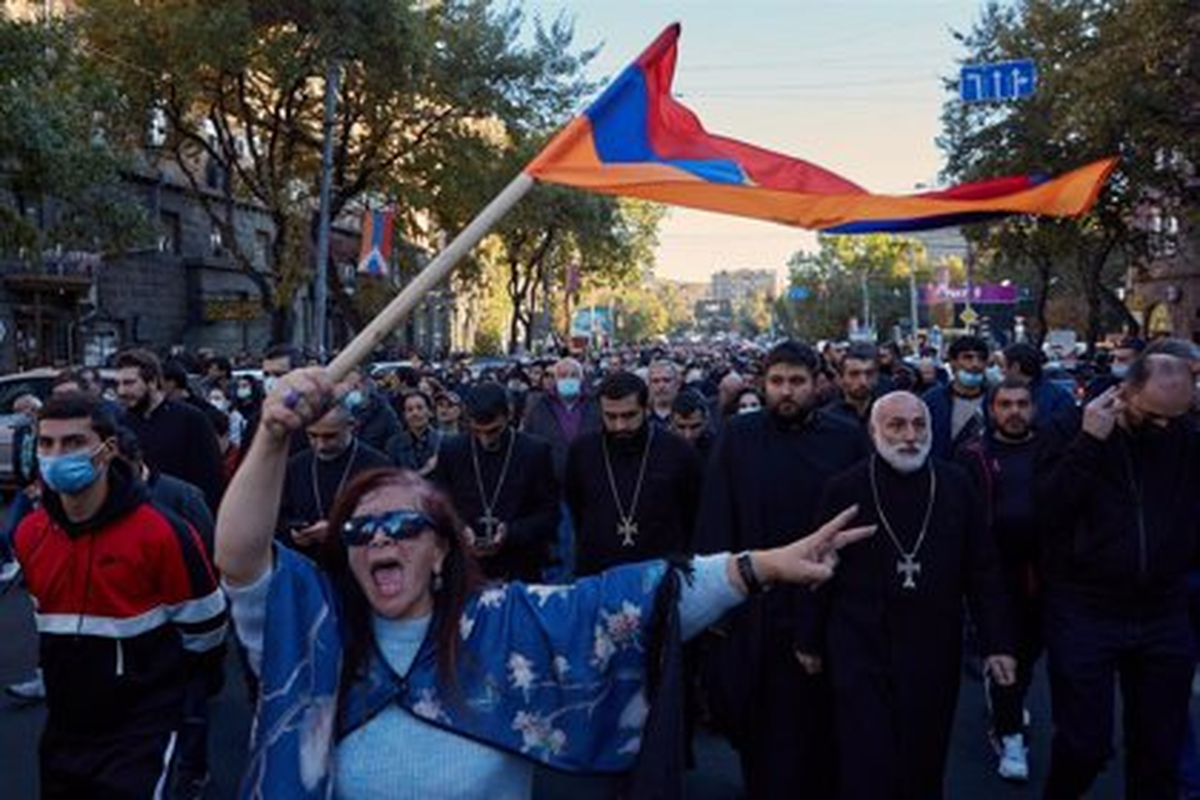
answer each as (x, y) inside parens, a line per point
(127, 610)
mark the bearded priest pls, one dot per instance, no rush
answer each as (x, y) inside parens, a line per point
(892, 619)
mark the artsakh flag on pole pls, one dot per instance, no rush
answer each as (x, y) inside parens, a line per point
(375, 254)
(636, 140)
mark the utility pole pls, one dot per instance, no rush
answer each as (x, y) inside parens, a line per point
(913, 308)
(866, 301)
(321, 290)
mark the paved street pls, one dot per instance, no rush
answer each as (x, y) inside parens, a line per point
(971, 775)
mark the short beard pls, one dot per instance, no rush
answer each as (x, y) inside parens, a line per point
(327, 456)
(1011, 437)
(902, 462)
(142, 405)
(802, 411)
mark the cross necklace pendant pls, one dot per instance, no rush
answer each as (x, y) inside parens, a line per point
(627, 527)
(489, 524)
(907, 565)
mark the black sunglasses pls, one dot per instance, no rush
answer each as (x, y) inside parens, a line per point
(395, 525)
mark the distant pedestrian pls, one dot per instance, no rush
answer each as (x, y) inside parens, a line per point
(176, 438)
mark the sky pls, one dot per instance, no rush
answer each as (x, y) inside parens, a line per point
(852, 85)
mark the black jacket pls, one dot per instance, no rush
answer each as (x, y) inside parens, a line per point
(178, 439)
(541, 420)
(377, 422)
(184, 500)
(1122, 518)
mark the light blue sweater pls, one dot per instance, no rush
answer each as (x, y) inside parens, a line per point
(396, 755)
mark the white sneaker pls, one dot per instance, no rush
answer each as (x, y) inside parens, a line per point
(1014, 758)
(9, 571)
(30, 691)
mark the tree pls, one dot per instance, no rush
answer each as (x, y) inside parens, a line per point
(1115, 77)
(681, 316)
(755, 316)
(59, 167)
(242, 84)
(849, 277)
(608, 241)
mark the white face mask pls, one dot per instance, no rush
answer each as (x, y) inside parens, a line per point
(900, 458)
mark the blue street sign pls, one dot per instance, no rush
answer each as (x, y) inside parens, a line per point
(1004, 80)
(799, 293)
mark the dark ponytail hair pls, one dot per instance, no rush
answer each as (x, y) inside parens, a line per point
(460, 573)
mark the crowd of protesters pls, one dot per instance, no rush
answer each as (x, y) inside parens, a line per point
(465, 540)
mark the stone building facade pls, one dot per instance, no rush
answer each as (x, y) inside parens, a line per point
(1163, 291)
(180, 288)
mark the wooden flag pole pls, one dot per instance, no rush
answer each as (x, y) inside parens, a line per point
(387, 320)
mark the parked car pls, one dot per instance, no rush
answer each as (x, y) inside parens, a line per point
(493, 365)
(378, 370)
(248, 372)
(37, 382)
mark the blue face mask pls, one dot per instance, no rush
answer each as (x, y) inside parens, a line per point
(994, 374)
(1119, 371)
(353, 399)
(568, 387)
(969, 380)
(71, 473)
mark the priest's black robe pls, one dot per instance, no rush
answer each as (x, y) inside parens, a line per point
(304, 502)
(666, 505)
(527, 502)
(894, 653)
(762, 489)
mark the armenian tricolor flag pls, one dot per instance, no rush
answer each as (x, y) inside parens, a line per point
(636, 140)
(375, 254)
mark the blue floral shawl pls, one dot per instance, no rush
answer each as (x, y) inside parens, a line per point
(558, 674)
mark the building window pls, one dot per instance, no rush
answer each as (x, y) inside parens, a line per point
(216, 177)
(262, 248)
(169, 233)
(1163, 231)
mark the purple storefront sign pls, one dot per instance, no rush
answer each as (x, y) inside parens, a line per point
(984, 294)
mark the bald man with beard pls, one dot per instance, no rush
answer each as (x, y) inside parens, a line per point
(890, 634)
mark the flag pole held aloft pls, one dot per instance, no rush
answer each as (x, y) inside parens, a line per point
(637, 140)
(387, 320)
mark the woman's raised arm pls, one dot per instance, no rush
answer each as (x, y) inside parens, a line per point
(246, 520)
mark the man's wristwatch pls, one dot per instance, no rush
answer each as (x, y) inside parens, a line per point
(745, 568)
